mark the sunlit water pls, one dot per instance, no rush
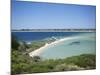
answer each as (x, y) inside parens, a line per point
(80, 44)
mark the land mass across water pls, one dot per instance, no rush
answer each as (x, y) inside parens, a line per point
(53, 30)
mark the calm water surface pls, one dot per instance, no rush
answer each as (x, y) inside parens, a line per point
(83, 44)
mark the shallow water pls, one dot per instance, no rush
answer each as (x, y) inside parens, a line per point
(83, 44)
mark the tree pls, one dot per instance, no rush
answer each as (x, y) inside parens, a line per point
(14, 43)
(36, 58)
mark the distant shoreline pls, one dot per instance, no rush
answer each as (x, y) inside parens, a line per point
(54, 30)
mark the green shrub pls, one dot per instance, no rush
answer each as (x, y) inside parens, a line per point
(14, 43)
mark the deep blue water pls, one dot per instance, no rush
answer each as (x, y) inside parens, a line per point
(31, 36)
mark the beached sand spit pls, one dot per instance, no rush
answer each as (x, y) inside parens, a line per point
(37, 52)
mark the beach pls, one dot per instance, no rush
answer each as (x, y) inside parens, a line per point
(37, 52)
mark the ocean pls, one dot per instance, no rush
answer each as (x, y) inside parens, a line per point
(33, 36)
(85, 43)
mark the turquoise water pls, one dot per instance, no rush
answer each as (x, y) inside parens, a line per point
(82, 44)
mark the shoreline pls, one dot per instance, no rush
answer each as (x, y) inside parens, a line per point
(37, 52)
(53, 30)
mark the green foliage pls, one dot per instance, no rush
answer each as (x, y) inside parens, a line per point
(23, 46)
(22, 63)
(85, 60)
(38, 44)
(36, 58)
(19, 61)
(14, 43)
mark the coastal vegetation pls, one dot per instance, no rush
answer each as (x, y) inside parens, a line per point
(37, 44)
(22, 63)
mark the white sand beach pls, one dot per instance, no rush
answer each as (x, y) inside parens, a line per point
(37, 52)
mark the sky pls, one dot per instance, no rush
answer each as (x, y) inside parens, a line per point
(39, 15)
